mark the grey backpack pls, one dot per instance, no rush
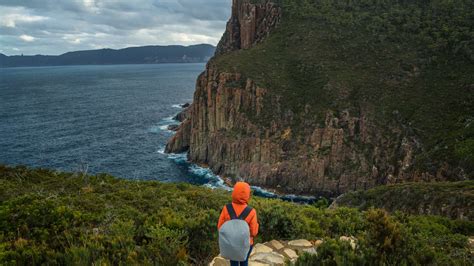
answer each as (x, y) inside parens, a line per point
(234, 235)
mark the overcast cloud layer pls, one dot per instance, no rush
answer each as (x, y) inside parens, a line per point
(58, 26)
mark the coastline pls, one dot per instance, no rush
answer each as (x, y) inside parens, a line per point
(219, 182)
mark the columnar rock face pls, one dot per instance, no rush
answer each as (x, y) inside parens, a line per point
(249, 24)
(346, 151)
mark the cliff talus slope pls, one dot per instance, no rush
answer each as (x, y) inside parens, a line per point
(332, 97)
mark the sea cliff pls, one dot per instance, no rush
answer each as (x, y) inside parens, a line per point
(294, 113)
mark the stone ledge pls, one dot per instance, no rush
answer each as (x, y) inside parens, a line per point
(274, 253)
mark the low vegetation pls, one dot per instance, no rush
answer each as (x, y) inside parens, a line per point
(49, 217)
(450, 199)
(404, 61)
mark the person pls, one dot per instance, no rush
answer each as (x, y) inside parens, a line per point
(240, 199)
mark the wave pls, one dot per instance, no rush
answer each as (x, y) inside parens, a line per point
(208, 179)
(163, 125)
(213, 181)
(180, 105)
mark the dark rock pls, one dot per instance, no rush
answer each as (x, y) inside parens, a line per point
(183, 115)
(180, 141)
(173, 127)
(217, 132)
(248, 25)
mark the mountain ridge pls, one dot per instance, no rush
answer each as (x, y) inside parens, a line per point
(150, 54)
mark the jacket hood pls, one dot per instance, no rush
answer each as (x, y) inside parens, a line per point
(241, 193)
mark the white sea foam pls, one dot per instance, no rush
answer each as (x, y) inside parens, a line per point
(163, 125)
(169, 120)
(161, 150)
(178, 157)
(264, 192)
(158, 129)
(154, 129)
(214, 181)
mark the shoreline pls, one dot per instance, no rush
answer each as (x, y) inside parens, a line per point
(226, 183)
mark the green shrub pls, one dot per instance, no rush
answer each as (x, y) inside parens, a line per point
(53, 218)
(414, 59)
(398, 240)
(333, 252)
(451, 199)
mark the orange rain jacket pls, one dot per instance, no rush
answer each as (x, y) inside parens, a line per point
(240, 198)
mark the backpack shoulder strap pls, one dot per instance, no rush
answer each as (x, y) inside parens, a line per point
(245, 213)
(231, 211)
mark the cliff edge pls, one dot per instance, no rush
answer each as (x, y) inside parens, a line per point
(325, 99)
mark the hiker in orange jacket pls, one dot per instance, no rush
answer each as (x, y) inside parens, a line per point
(240, 198)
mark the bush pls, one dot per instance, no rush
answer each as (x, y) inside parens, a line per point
(402, 240)
(332, 252)
(48, 217)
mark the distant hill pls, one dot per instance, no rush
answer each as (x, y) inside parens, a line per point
(132, 55)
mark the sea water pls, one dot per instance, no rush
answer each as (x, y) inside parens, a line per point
(100, 119)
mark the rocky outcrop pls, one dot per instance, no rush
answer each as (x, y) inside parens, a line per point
(249, 24)
(180, 141)
(471, 244)
(345, 153)
(244, 131)
(183, 115)
(173, 127)
(275, 253)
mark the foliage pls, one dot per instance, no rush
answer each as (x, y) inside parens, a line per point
(451, 199)
(390, 241)
(407, 62)
(49, 217)
(332, 252)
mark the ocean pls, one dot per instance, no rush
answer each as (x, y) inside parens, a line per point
(101, 119)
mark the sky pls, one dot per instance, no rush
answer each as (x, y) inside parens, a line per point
(53, 27)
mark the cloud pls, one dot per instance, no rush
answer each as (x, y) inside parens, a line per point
(19, 16)
(55, 27)
(27, 38)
